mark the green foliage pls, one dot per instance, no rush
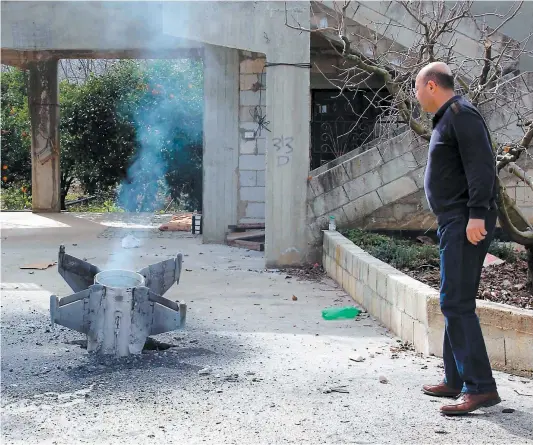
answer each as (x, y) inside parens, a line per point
(15, 130)
(504, 251)
(137, 128)
(399, 253)
(15, 198)
(402, 253)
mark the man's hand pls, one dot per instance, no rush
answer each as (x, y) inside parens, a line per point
(475, 230)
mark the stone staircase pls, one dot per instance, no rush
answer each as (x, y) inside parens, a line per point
(380, 185)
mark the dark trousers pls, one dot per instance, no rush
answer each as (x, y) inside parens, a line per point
(466, 363)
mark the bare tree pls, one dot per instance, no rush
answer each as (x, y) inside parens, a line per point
(78, 70)
(389, 49)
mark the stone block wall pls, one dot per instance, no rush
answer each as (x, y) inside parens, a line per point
(252, 141)
(360, 185)
(411, 309)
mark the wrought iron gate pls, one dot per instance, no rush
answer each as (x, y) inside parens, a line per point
(341, 124)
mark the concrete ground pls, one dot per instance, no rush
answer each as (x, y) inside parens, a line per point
(274, 361)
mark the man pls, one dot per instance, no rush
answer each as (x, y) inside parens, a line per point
(460, 185)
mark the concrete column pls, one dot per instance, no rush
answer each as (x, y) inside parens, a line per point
(43, 98)
(221, 142)
(287, 169)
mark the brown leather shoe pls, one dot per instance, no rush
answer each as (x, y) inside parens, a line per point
(467, 403)
(441, 390)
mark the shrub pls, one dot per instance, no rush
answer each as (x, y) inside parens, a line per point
(398, 253)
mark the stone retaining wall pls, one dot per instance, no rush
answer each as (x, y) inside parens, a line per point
(411, 309)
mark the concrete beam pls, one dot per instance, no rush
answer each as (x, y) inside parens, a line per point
(22, 59)
(43, 97)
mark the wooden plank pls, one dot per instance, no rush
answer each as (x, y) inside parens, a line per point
(250, 235)
(246, 226)
(251, 245)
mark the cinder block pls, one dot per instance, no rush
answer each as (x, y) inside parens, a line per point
(420, 337)
(251, 82)
(333, 178)
(396, 147)
(363, 163)
(254, 194)
(408, 328)
(316, 186)
(376, 306)
(363, 184)
(396, 321)
(363, 271)
(359, 292)
(424, 295)
(397, 167)
(436, 335)
(329, 201)
(418, 176)
(519, 350)
(252, 162)
(420, 154)
(339, 273)
(252, 98)
(351, 285)
(363, 206)
(381, 279)
(367, 299)
(252, 66)
(397, 189)
(347, 260)
(499, 343)
(247, 147)
(261, 146)
(247, 112)
(247, 178)
(372, 276)
(385, 313)
(255, 210)
(411, 301)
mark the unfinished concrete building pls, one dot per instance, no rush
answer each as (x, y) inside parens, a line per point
(267, 103)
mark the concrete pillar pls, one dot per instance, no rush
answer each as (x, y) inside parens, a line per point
(43, 98)
(221, 142)
(287, 169)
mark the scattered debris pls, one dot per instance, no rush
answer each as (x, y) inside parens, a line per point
(249, 236)
(372, 355)
(383, 379)
(522, 394)
(491, 260)
(39, 266)
(340, 389)
(232, 378)
(130, 242)
(181, 222)
(402, 347)
(425, 240)
(508, 410)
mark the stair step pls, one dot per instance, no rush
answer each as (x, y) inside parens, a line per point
(256, 235)
(251, 245)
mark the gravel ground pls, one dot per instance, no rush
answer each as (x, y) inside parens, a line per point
(274, 365)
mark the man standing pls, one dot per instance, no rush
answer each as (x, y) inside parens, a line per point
(460, 185)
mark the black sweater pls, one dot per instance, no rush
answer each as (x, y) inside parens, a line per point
(461, 170)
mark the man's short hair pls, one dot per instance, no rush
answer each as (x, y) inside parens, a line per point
(443, 80)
